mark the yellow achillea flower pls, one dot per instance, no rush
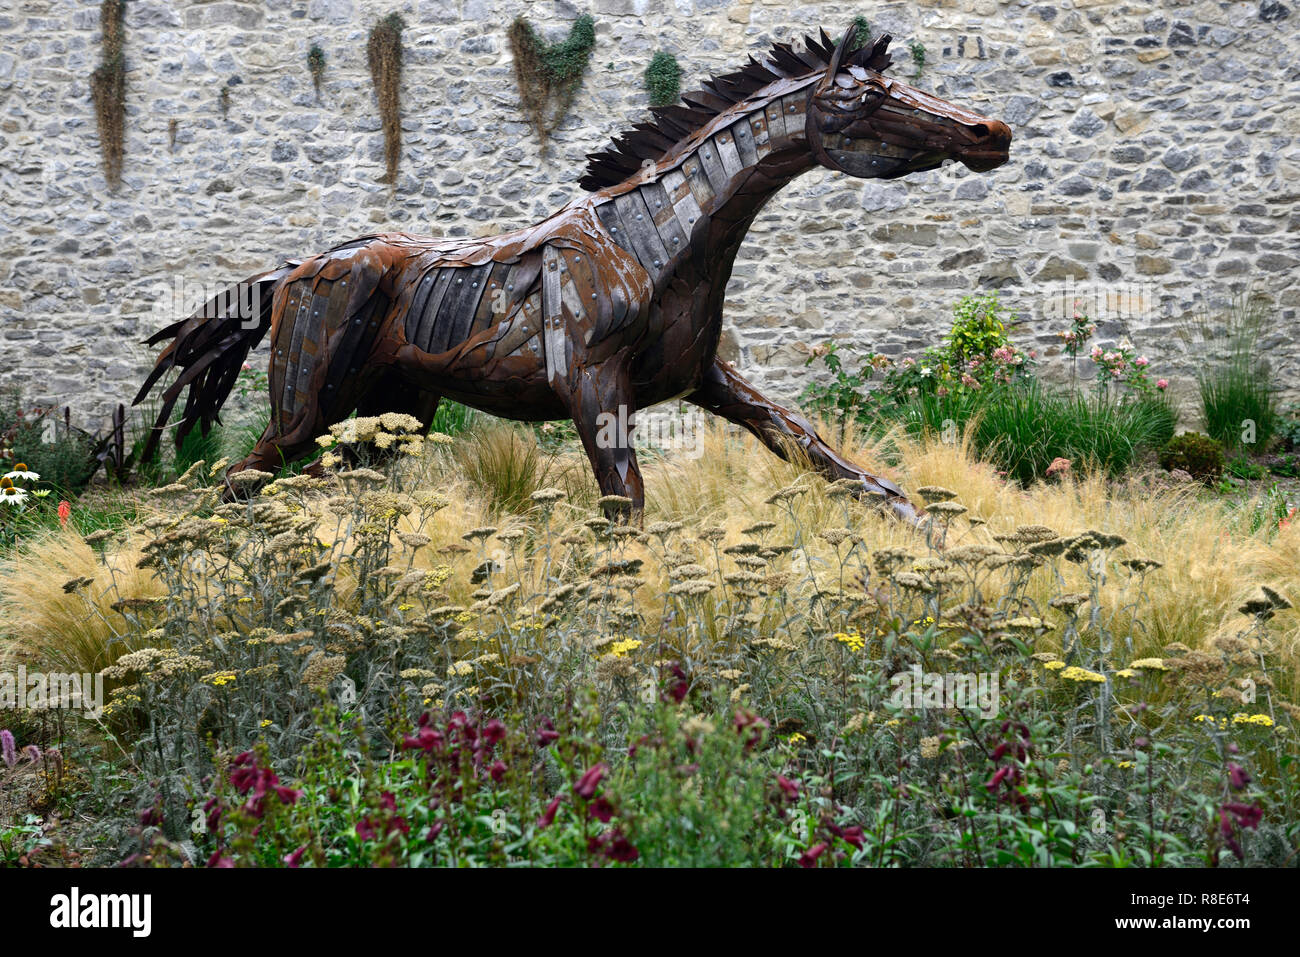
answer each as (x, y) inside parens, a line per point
(1149, 664)
(620, 649)
(1126, 764)
(1263, 720)
(796, 738)
(219, 679)
(1126, 673)
(1075, 673)
(266, 723)
(1054, 665)
(851, 640)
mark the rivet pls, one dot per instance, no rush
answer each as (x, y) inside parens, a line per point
(674, 240)
(638, 215)
(473, 285)
(656, 262)
(593, 295)
(459, 281)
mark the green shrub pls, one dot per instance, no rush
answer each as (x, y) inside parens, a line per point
(1198, 455)
(1023, 427)
(663, 79)
(37, 437)
(1238, 395)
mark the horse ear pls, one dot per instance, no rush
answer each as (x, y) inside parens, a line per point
(841, 49)
(837, 57)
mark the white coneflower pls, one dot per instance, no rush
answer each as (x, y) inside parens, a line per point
(11, 495)
(21, 474)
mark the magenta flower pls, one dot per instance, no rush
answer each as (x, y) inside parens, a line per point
(590, 780)
(294, 859)
(548, 816)
(601, 809)
(852, 835)
(546, 733)
(7, 751)
(789, 788)
(809, 857)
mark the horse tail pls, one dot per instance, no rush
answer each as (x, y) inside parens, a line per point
(209, 348)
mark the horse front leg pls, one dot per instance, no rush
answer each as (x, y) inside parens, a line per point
(600, 401)
(724, 392)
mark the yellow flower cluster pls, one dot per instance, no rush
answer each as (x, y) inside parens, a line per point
(1075, 673)
(1149, 664)
(851, 640)
(1263, 720)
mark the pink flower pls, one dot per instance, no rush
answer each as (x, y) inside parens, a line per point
(587, 784)
(1141, 362)
(1059, 466)
(1162, 384)
(809, 857)
(294, 859)
(548, 816)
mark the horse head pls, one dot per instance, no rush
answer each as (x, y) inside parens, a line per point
(866, 124)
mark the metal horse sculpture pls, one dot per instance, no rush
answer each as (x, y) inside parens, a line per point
(616, 300)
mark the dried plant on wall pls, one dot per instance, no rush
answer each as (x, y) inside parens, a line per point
(549, 74)
(108, 89)
(316, 65)
(384, 53)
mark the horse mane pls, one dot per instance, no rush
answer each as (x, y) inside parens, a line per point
(671, 124)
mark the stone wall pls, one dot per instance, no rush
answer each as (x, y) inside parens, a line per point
(1156, 160)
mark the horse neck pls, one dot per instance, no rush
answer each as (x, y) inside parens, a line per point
(698, 212)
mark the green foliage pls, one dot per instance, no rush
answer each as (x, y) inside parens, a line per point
(1239, 402)
(1198, 455)
(861, 32)
(980, 380)
(452, 418)
(304, 692)
(38, 438)
(1023, 428)
(663, 79)
(1237, 391)
(549, 74)
(917, 49)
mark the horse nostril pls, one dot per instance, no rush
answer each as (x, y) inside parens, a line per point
(980, 129)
